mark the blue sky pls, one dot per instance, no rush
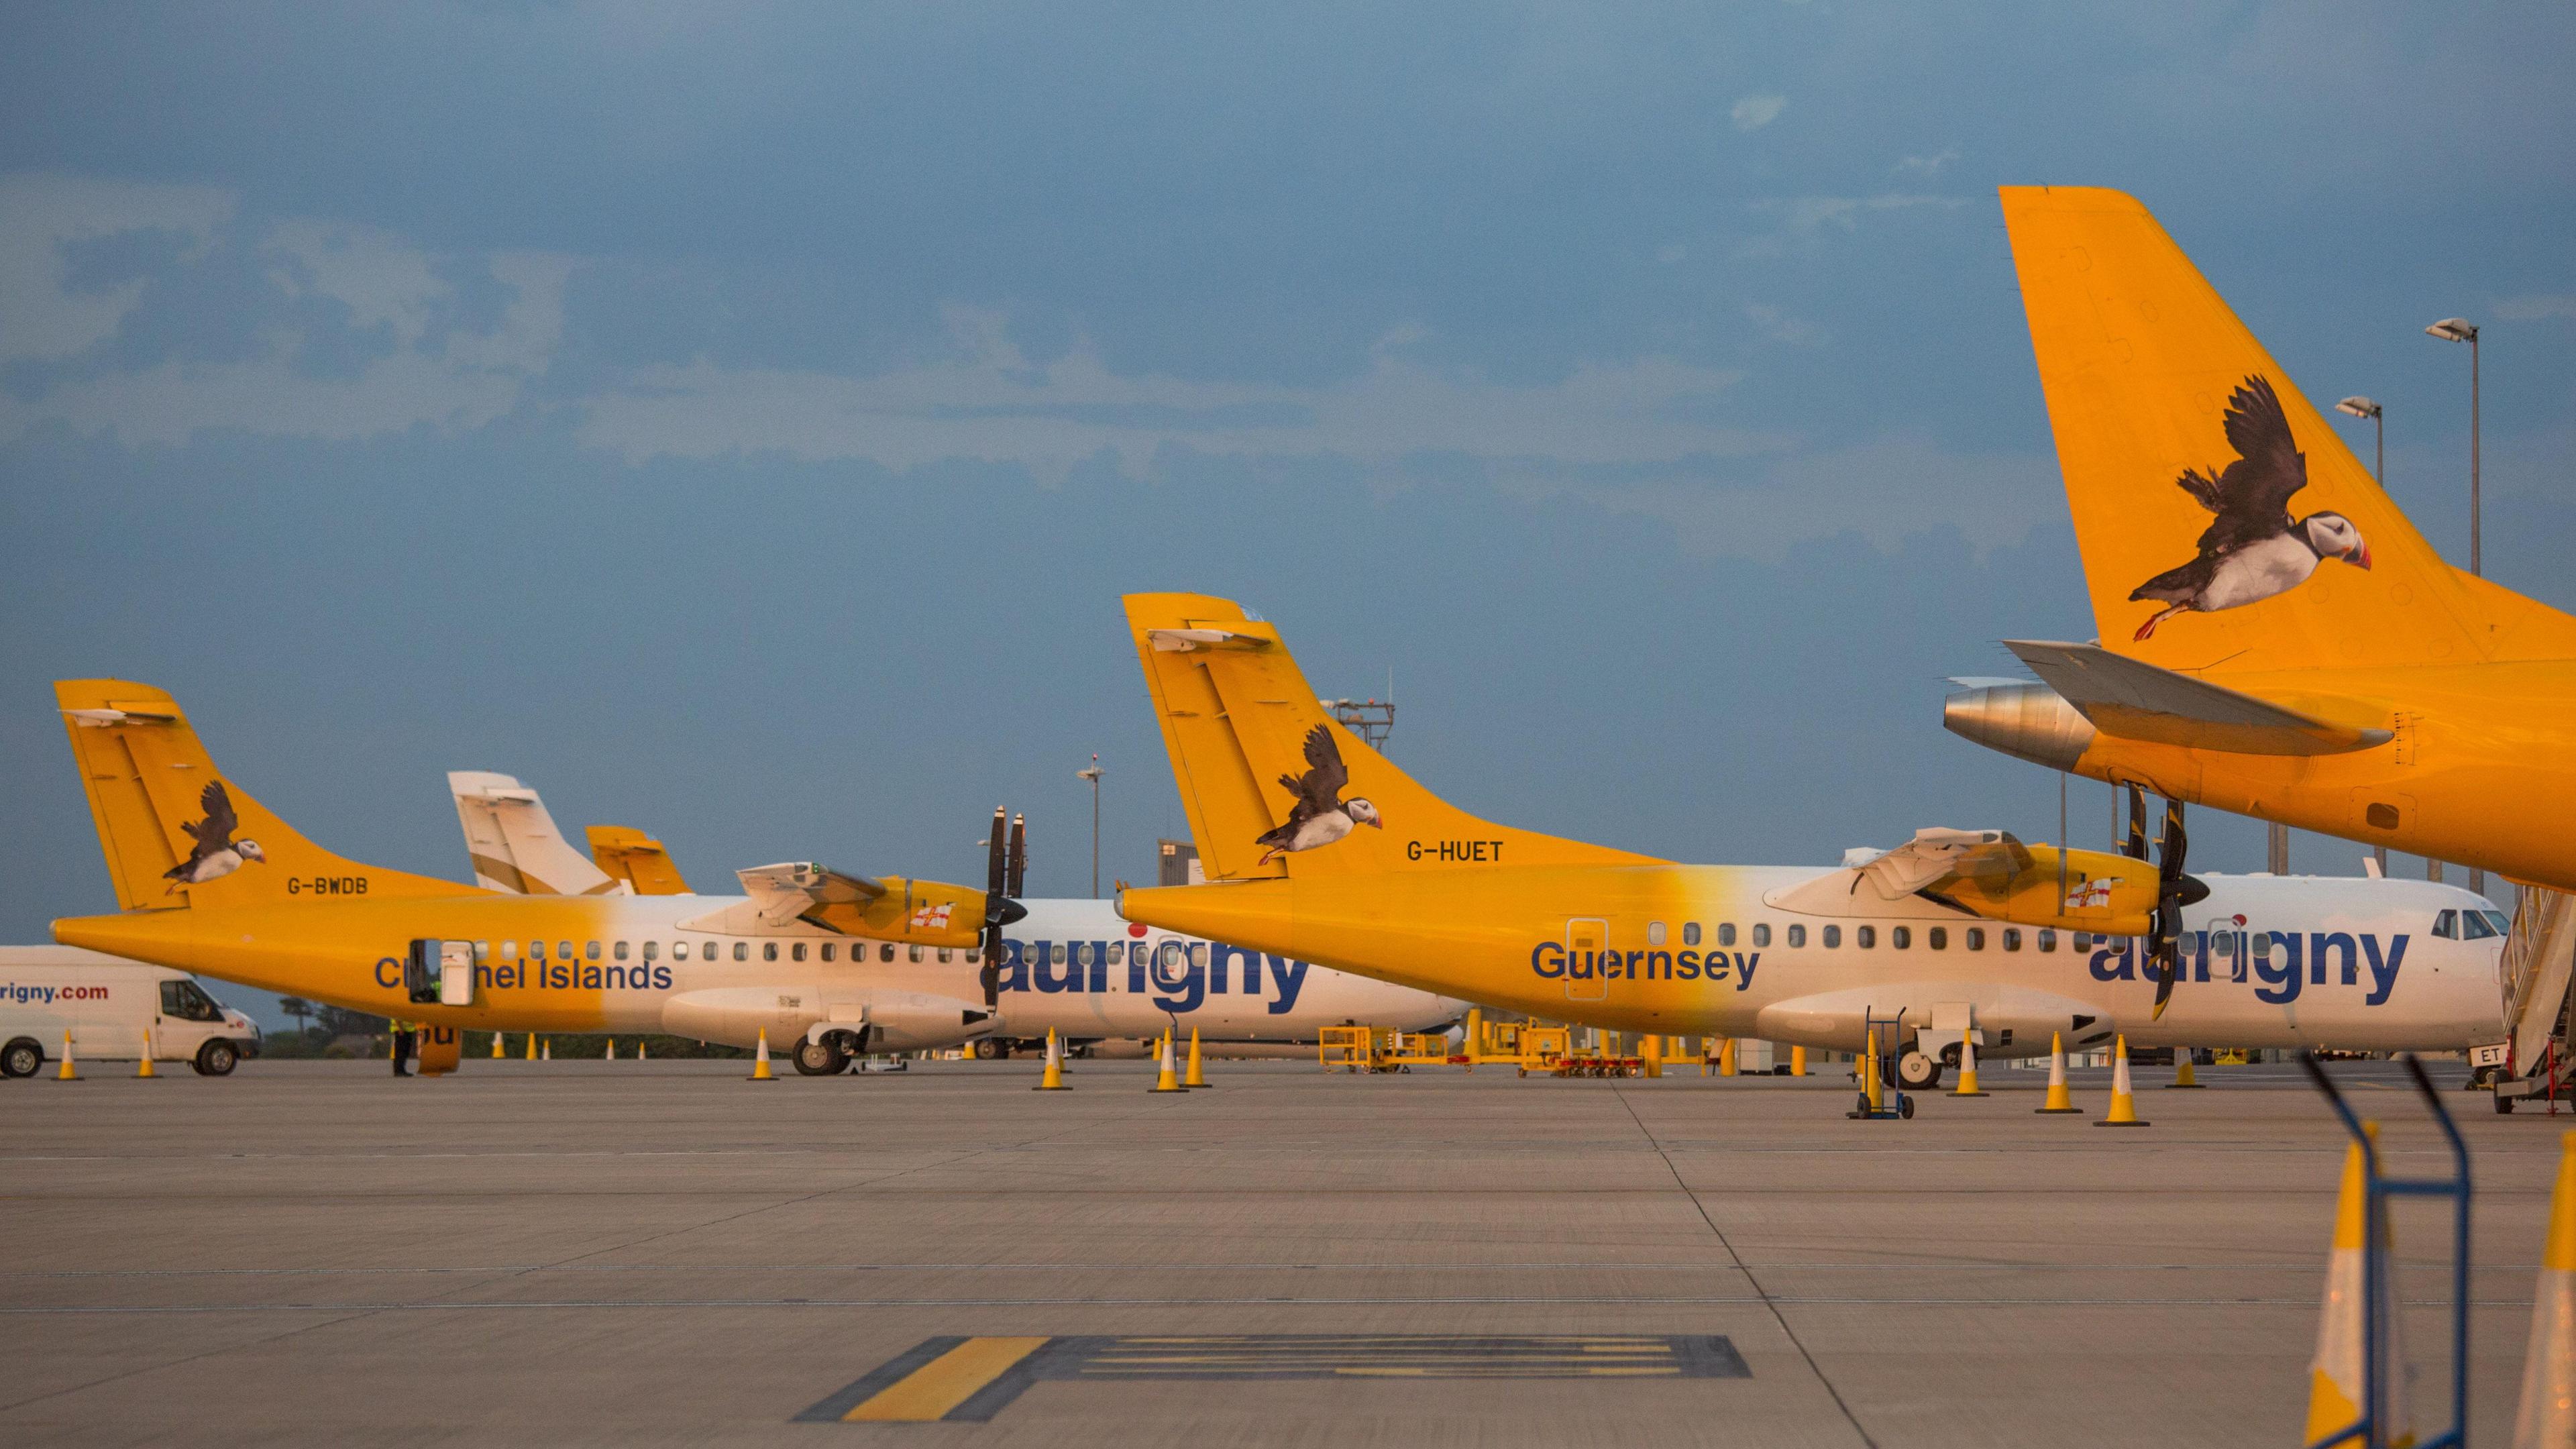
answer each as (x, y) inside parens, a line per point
(739, 421)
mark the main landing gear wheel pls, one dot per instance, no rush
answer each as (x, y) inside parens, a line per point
(821, 1059)
(1917, 1072)
(988, 1049)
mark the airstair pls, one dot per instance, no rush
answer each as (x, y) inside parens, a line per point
(2539, 963)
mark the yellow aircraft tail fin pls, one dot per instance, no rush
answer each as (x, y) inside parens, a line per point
(2224, 524)
(636, 858)
(1274, 786)
(176, 833)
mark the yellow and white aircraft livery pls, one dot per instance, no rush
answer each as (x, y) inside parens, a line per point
(209, 880)
(1068, 965)
(2276, 638)
(1319, 847)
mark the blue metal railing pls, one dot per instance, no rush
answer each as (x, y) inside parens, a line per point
(2371, 1429)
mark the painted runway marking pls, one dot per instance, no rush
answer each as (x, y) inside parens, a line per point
(971, 1379)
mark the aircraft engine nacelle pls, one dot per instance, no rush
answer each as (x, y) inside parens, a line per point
(2026, 720)
(2105, 893)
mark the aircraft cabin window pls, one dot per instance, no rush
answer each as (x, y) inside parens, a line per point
(1198, 953)
(2474, 926)
(1168, 955)
(1976, 938)
(2222, 944)
(915, 953)
(2263, 947)
(946, 954)
(509, 950)
(1900, 938)
(1797, 935)
(1690, 933)
(621, 951)
(591, 950)
(1762, 933)
(652, 950)
(1865, 937)
(1082, 953)
(1117, 952)
(1833, 937)
(827, 950)
(1726, 933)
(2083, 941)
(742, 950)
(2047, 938)
(769, 950)
(482, 952)
(974, 954)
(679, 950)
(1939, 938)
(2012, 938)
(796, 952)
(885, 951)
(1055, 953)
(2447, 925)
(1654, 933)
(563, 950)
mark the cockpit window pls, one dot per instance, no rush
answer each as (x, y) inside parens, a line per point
(2502, 923)
(2474, 926)
(2447, 925)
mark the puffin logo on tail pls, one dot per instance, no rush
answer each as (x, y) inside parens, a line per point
(216, 853)
(1320, 815)
(2254, 549)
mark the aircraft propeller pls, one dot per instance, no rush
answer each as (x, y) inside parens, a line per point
(2174, 890)
(1005, 871)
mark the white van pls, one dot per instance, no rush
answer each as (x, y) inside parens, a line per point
(107, 1003)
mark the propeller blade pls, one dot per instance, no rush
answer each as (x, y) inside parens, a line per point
(2171, 891)
(996, 854)
(2169, 957)
(2135, 847)
(1019, 856)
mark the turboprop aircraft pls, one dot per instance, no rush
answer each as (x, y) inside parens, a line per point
(2276, 637)
(1069, 965)
(1317, 846)
(209, 880)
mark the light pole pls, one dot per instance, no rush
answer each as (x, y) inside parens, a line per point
(1093, 775)
(2362, 407)
(2460, 329)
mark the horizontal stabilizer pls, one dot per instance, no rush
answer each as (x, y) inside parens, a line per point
(2138, 701)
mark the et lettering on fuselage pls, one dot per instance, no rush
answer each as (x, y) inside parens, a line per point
(1455, 852)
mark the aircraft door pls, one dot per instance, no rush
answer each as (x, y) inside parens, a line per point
(439, 972)
(1586, 938)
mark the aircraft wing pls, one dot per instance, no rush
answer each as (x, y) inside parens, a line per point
(795, 896)
(1937, 857)
(2138, 701)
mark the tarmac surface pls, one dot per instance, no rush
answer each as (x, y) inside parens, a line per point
(660, 1252)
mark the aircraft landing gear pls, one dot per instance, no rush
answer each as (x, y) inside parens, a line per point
(1917, 1072)
(821, 1058)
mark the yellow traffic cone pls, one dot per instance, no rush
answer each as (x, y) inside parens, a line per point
(760, 1059)
(532, 1046)
(639, 1049)
(496, 1046)
(1797, 1061)
(68, 1073)
(2058, 1100)
(2183, 1079)
(1968, 1066)
(611, 1054)
(2124, 1103)
(1197, 1075)
(1165, 1080)
(2548, 1416)
(1053, 1081)
(2335, 1374)
(143, 1066)
(546, 1053)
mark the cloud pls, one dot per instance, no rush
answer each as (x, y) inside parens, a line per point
(1755, 112)
(46, 221)
(1779, 326)
(1928, 166)
(2537, 308)
(1802, 214)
